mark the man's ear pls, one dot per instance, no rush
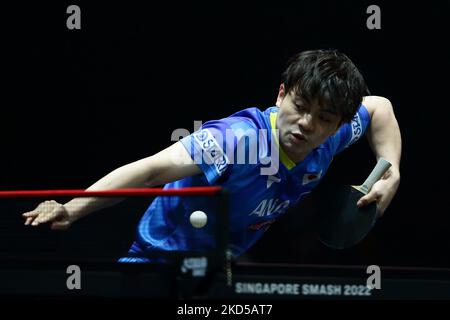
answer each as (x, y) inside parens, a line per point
(281, 95)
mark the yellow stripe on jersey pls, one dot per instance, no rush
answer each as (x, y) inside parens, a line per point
(288, 163)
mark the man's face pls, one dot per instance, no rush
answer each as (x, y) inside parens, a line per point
(303, 126)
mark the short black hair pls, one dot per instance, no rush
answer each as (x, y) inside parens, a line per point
(328, 76)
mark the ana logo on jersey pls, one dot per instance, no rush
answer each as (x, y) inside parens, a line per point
(268, 207)
(311, 177)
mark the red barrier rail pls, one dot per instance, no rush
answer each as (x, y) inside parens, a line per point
(143, 192)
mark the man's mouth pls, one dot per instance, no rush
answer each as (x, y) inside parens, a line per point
(298, 137)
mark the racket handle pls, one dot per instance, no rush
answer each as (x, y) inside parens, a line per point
(380, 169)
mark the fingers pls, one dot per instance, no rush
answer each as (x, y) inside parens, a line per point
(29, 220)
(382, 192)
(373, 196)
(51, 214)
(31, 215)
(368, 198)
(44, 212)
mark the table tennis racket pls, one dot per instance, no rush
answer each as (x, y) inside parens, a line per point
(342, 223)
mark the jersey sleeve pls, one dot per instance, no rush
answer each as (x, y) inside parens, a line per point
(213, 147)
(351, 132)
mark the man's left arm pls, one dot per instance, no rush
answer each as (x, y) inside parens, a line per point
(385, 140)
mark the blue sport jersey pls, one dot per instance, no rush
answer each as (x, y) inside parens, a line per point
(239, 153)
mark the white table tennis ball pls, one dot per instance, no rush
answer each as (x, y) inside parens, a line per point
(198, 219)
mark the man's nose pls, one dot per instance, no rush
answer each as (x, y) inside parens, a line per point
(306, 122)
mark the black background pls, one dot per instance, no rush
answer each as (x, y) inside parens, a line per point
(79, 103)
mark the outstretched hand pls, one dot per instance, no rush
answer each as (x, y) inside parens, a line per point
(51, 212)
(383, 191)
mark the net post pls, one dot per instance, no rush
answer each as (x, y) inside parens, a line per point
(223, 231)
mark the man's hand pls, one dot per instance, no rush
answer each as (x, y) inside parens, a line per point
(382, 191)
(49, 211)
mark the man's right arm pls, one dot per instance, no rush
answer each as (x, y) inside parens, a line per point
(171, 164)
